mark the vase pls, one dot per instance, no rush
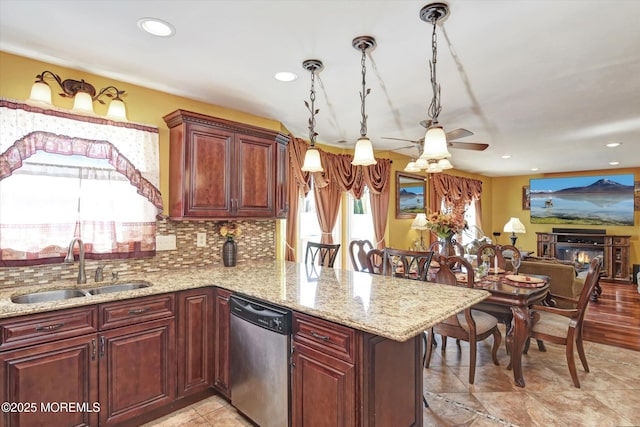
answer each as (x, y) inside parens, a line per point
(447, 246)
(229, 252)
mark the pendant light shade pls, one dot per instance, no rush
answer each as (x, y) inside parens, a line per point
(363, 154)
(445, 164)
(82, 103)
(40, 92)
(411, 167)
(117, 110)
(312, 161)
(435, 144)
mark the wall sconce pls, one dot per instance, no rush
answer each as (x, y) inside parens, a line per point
(83, 95)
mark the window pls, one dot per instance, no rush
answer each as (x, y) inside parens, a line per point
(359, 220)
(309, 228)
(56, 185)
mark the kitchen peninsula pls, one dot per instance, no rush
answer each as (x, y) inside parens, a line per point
(366, 363)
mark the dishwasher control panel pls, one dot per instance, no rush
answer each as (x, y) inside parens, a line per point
(265, 315)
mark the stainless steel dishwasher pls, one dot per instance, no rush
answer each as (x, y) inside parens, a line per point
(260, 348)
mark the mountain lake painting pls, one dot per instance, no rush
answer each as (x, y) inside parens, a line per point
(593, 200)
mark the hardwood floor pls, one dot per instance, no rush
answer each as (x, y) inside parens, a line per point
(615, 318)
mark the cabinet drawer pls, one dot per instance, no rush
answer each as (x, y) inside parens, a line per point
(620, 241)
(132, 311)
(40, 328)
(329, 338)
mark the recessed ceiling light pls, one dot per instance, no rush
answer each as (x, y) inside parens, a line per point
(613, 144)
(535, 169)
(156, 27)
(506, 156)
(286, 76)
(614, 163)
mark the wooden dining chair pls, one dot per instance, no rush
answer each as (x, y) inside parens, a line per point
(323, 254)
(497, 250)
(358, 253)
(468, 325)
(406, 264)
(564, 326)
(374, 259)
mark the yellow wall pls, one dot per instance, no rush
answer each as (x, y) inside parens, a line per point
(17, 74)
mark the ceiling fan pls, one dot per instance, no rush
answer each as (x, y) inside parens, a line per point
(451, 136)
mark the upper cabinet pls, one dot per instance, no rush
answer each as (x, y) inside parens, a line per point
(220, 169)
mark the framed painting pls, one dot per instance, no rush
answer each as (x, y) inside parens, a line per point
(410, 194)
(526, 198)
(636, 196)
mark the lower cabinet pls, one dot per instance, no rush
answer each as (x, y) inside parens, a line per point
(137, 370)
(38, 379)
(195, 340)
(344, 377)
(222, 369)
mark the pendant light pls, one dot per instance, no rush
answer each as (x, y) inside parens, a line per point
(363, 154)
(312, 156)
(435, 152)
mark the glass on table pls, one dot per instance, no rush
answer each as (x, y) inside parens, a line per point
(516, 260)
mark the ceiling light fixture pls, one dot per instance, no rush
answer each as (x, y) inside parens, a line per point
(312, 156)
(363, 154)
(83, 95)
(286, 76)
(156, 27)
(615, 163)
(613, 144)
(506, 156)
(435, 151)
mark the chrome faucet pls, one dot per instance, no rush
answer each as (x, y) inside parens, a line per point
(82, 277)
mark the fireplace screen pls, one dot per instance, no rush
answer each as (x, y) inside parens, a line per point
(580, 256)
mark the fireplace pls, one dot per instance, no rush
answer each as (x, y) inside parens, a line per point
(578, 254)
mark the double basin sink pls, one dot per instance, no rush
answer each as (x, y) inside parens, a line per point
(63, 294)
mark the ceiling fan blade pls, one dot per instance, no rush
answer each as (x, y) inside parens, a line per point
(425, 123)
(457, 134)
(477, 146)
(399, 139)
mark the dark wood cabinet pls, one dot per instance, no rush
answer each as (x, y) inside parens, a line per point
(51, 374)
(137, 370)
(220, 169)
(579, 248)
(195, 340)
(344, 377)
(282, 194)
(222, 369)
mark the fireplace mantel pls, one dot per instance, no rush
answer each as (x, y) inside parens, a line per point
(579, 247)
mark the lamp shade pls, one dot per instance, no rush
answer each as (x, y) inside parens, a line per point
(514, 226)
(420, 222)
(312, 161)
(434, 168)
(363, 154)
(435, 144)
(117, 110)
(82, 103)
(445, 164)
(411, 167)
(40, 92)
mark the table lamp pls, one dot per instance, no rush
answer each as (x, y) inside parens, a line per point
(420, 223)
(514, 226)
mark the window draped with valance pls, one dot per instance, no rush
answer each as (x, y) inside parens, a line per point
(455, 192)
(339, 176)
(64, 175)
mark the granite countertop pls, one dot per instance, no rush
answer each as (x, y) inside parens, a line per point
(393, 308)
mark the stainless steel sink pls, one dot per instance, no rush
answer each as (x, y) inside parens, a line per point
(48, 296)
(120, 287)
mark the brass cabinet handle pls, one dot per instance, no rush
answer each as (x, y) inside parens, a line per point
(49, 328)
(320, 337)
(138, 310)
(93, 349)
(101, 347)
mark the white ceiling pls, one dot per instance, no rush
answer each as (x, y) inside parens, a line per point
(548, 82)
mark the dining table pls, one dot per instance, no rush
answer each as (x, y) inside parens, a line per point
(515, 294)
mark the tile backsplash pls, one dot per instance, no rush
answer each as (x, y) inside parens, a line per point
(258, 241)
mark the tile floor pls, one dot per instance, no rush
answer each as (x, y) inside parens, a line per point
(610, 393)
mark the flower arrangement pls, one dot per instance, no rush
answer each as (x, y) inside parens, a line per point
(446, 224)
(230, 230)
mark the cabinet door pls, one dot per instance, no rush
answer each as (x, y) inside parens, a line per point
(137, 370)
(254, 189)
(208, 172)
(282, 179)
(322, 389)
(48, 375)
(221, 353)
(195, 340)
